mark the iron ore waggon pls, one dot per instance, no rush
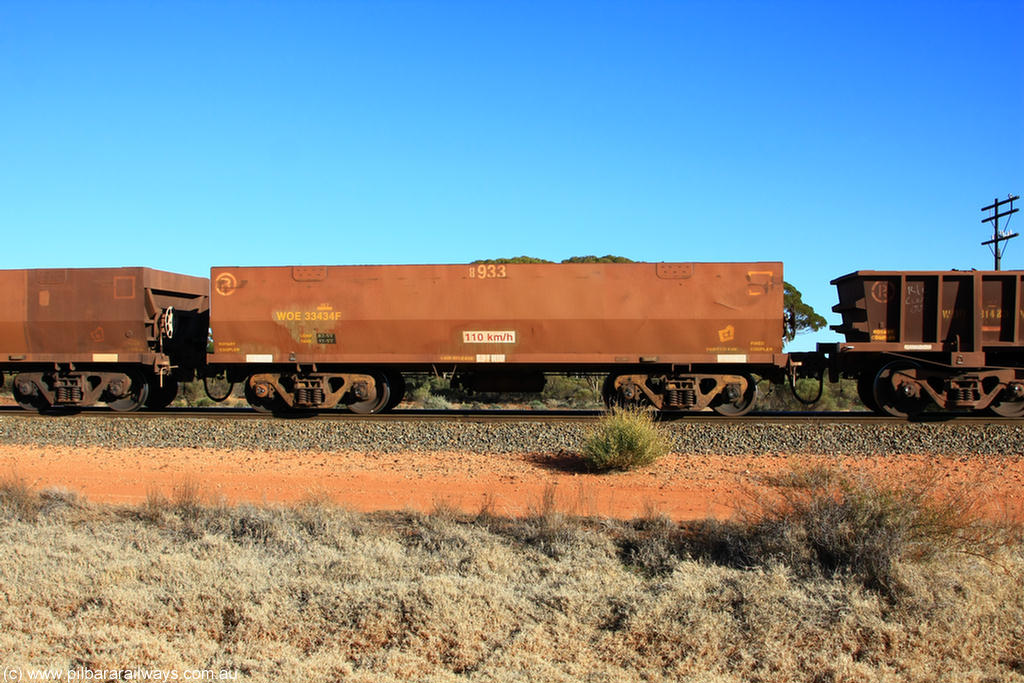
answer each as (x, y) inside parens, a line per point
(676, 336)
(668, 336)
(121, 336)
(952, 339)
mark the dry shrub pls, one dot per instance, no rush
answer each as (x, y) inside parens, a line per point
(548, 527)
(652, 543)
(188, 501)
(624, 439)
(256, 524)
(316, 514)
(59, 497)
(834, 522)
(546, 508)
(155, 507)
(182, 512)
(446, 509)
(18, 498)
(487, 508)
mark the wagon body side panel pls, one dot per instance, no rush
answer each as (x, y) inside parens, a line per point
(76, 315)
(513, 313)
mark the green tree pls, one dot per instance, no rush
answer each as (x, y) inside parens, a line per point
(572, 259)
(514, 259)
(799, 316)
(598, 259)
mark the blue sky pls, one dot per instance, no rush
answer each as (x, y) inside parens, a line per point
(830, 136)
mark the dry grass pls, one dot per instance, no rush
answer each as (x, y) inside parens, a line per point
(315, 592)
(18, 497)
(838, 522)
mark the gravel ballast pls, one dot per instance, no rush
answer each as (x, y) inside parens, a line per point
(705, 438)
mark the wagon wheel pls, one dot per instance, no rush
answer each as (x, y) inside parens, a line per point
(376, 404)
(161, 396)
(31, 400)
(890, 399)
(134, 397)
(741, 405)
(629, 397)
(396, 385)
(1009, 407)
(866, 392)
(608, 393)
(262, 404)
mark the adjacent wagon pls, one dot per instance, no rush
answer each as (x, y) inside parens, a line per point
(952, 339)
(121, 336)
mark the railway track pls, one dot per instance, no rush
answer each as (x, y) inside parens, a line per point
(508, 431)
(509, 416)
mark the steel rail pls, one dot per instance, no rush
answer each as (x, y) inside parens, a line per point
(501, 416)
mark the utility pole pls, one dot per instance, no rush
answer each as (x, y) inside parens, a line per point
(997, 236)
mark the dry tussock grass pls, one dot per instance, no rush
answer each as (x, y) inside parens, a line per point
(624, 439)
(867, 527)
(318, 592)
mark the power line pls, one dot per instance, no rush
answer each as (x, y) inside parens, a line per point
(998, 236)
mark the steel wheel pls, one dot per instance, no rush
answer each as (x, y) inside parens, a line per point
(376, 404)
(262, 404)
(608, 393)
(132, 398)
(629, 396)
(396, 385)
(30, 399)
(742, 405)
(1012, 406)
(889, 397)
(866, 392)
(161, 396)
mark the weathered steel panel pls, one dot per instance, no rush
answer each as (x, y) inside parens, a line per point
(89, 314)
(508, 313)
(12, 314)
(962, 311)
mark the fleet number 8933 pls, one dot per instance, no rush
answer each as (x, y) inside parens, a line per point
(486, 271)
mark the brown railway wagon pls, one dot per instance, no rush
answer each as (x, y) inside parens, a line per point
(77, 336)
(950, 338)
(677, 335)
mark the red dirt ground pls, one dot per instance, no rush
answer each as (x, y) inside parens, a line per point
(680, 486)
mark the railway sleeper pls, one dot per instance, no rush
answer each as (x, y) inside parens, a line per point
(727, 394)
(316, 391)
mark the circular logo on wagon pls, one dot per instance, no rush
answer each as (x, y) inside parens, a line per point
(225, 284)
(882, 291)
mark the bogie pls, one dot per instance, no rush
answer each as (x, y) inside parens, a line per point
(358, 392)
(726, 394)
(122, 389)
